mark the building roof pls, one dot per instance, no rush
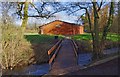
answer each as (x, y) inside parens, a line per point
(59, 21)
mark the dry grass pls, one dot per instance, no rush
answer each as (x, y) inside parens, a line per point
(110, 44)
(84, 46)
(40, 45)
(40, 51)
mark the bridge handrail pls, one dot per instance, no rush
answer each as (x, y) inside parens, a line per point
(54, 55)
(75, 48)
(54, 50)
(54, 47)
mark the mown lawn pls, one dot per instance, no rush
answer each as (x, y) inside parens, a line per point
(37, 38)
(87, 36)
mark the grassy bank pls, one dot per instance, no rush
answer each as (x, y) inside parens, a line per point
(41, 44)
(85, 44)
(87, 36)
(36, 38)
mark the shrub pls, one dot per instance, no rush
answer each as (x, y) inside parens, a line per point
(84, 46)
(111, 44)
(16, 50)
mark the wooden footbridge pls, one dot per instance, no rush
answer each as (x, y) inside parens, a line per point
(62, 56)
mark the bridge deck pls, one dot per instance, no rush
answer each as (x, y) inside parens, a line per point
(65, 58)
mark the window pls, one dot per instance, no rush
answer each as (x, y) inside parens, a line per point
(58, 26)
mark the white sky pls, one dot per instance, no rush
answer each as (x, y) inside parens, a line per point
(56, 0)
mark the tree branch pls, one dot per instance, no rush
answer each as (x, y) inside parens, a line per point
(100, 6)
(42, 16)
(39, 12)
(20, 9)
(56, 12)
(74, 11)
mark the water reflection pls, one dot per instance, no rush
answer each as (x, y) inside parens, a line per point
(36, 69)
(84, 59)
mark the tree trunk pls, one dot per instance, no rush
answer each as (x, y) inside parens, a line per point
(107, 27)
(90, 26)
(118, 16)
(25, 18)
(96, 44)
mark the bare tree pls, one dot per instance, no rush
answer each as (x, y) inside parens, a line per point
(108, 25)
(97, 41)
(41, 10)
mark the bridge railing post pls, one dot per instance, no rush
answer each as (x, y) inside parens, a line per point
(50, 66)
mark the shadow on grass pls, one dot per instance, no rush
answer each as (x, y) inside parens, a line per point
(40, 45)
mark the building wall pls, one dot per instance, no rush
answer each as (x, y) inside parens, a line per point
(61, 28)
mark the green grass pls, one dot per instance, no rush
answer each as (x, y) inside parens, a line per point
(37, 38)
(113, 37)
(87, 36)
(82, 37)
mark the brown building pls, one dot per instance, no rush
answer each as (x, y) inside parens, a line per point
(58, 27)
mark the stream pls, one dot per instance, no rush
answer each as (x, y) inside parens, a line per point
(36, 69)
(29, 70)
(83, 60)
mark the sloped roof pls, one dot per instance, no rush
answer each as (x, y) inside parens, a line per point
(59, 21)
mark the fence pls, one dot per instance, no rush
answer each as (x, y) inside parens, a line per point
(53, 52)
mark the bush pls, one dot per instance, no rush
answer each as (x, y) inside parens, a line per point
(110, 44)
(16, 50)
